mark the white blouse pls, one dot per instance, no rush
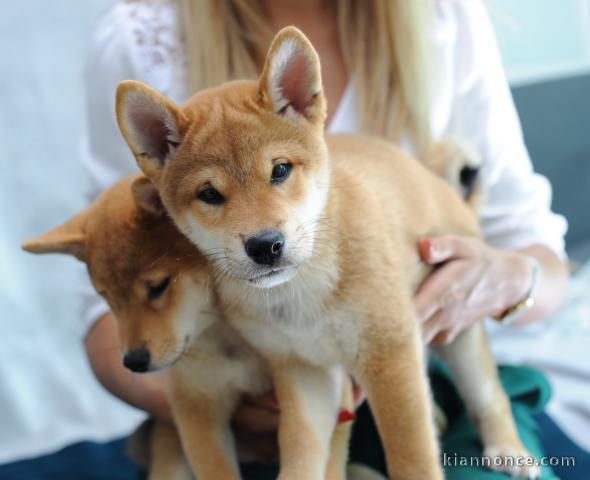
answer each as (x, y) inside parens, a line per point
(472, 101)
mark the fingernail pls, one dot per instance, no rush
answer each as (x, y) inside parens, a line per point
(431, 247)
(346, 416)
(427, 248)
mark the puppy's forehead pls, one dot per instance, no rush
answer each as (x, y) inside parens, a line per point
(221, 129)
(230, 121)
(231, 137)
(115, 257)
(121, 243)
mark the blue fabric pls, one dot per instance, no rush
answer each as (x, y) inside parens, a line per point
(81, 461)
(557, 444)
(527, 389)
(92, 461)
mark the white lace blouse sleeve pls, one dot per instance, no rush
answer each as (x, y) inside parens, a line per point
(516, 211)
(137, 40)
(105, 154)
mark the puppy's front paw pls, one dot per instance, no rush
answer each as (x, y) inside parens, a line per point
(518, 463)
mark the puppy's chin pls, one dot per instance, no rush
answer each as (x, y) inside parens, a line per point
(171, 356)
(165, 363)
(273, 278)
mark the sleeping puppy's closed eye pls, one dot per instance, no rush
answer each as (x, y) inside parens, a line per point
(157, 285)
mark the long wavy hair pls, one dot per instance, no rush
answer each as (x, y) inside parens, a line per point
(384, 43)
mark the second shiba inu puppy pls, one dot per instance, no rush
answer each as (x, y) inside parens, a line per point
(315, 238)
(157, 284)
(159, 287)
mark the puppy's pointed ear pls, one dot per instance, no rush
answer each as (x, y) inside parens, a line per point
(147, 197)
(291, 82)
(68, 238)
(152, 125)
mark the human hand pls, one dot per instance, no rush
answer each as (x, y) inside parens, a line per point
(155, 390)
(472, 281)
(256, 422)
(146, 391)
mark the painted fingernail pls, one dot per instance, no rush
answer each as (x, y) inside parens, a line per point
(427, 248)
(431, 247)
(346, 416)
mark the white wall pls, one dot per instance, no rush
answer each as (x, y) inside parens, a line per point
(48, 396)
(542, 39)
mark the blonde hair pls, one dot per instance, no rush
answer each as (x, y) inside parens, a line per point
(383, 43)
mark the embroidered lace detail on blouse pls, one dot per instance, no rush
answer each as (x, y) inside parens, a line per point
(157, 42)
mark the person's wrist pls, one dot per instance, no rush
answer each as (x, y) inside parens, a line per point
(523, 276)
(156, 400)
(523, 272)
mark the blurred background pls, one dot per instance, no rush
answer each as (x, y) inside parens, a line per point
(545, 46)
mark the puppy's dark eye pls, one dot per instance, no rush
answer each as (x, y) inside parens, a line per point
(280, 173)
(156, 291)
(210, 196)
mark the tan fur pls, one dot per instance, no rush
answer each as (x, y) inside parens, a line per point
(339, 445)
(167, 456)
(155, 447)
(351, 213)
(129, 245)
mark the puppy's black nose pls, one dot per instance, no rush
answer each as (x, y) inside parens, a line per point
(265, 247)
(137, 360)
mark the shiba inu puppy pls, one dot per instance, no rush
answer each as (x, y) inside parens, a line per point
(315, 238)
(319, 258)
(158, 285)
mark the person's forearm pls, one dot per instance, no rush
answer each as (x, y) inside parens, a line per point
(552, 283)
(144, 391)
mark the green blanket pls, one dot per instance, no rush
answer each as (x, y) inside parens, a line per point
(528, 391)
